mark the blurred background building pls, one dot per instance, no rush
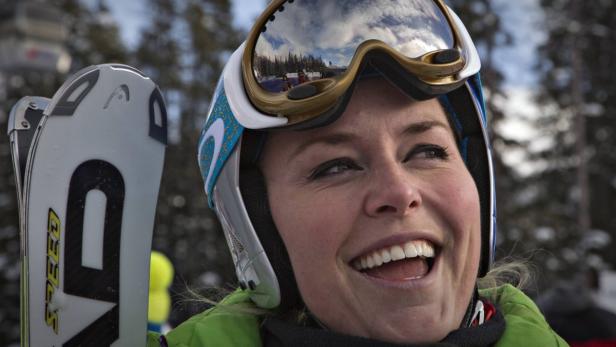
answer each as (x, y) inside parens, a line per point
(32, 38)
(551, 94)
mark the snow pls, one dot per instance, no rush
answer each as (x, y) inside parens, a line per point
(596, 239)
(544, 234)
(521, 110)
(607, 292)
(210, 279)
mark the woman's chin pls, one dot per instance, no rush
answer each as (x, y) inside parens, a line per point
(428, 330)
(428, 322)
(419, 310)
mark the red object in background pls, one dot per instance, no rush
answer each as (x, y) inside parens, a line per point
(594, 343)
(32, 54)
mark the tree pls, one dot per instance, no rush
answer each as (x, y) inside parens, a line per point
(194, 36)
(578, 91)
(485, 27)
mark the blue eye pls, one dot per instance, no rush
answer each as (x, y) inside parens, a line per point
(333, 167)
(427, 151)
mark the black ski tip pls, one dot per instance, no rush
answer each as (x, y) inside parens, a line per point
(75, 93)
(158, 117)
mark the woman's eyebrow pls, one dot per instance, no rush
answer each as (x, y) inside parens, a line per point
(327, 139)
(421, 127)
(346, 137)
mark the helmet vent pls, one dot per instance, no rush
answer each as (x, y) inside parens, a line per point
(236, 244)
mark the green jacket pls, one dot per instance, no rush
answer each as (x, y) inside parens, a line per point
(525, 325)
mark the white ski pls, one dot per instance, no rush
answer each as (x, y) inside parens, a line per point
(24, 120)
(89, 190)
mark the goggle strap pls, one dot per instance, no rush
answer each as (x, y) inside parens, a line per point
(471, 56)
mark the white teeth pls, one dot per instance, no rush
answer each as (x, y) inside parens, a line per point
(378, 261)
(370, 262)
(428, 251)
(397, 253)
(412, 249)
(409, 250)
(385, 256)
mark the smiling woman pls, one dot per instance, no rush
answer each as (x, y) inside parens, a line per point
(384, 196)
(353, 180)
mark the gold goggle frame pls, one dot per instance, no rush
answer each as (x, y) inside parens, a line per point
(329, 90)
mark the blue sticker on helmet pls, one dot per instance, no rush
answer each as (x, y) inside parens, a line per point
(477, 89)
(219, 137)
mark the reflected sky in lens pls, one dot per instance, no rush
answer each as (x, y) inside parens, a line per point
(332, 30)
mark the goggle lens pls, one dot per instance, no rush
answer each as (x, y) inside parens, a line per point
(311, 40)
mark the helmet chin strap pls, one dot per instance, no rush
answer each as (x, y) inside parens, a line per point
(475, 308)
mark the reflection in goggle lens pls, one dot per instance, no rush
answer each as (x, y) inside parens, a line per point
(315, 39)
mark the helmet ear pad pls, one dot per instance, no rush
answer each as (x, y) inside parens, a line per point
(481, 174)
(474, 150)
(254, 194)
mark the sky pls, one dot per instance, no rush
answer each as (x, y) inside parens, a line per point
(131, 15)
(523, 19)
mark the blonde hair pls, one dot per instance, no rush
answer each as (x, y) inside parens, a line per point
(214, 297)
(516, 272)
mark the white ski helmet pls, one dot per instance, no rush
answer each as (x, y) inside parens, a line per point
(426, 52)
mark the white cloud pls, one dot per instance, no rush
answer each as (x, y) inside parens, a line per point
(337, 28)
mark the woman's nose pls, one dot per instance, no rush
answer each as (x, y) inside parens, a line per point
(392, 191)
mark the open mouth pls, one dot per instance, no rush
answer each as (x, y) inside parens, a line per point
(409, 261)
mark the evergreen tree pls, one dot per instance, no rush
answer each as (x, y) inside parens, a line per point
(158, 54)
(485, 27)
(576, 188)
(194, 36)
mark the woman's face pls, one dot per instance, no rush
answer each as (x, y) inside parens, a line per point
(380, 217)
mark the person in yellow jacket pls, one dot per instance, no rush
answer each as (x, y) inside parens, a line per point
(359, 206)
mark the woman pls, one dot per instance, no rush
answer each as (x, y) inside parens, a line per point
(359, 208)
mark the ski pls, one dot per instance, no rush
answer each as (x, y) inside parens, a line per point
(88, 188)
(24, 120)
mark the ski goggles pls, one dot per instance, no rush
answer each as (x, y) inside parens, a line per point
(302, 56)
